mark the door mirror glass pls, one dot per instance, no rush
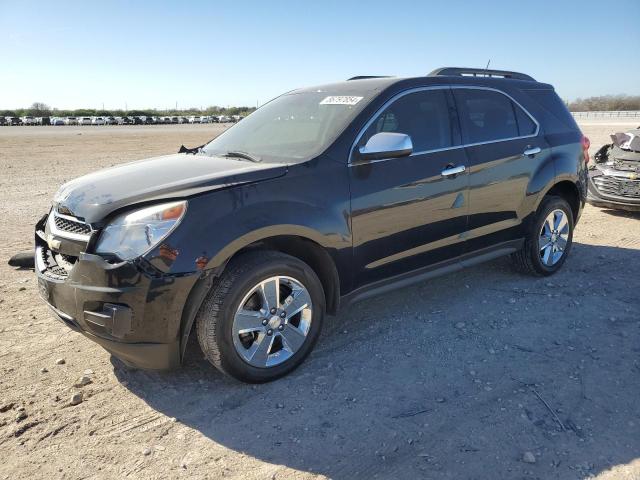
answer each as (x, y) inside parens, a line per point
(386, 145)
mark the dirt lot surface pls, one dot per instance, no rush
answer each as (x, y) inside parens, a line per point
(482, 374)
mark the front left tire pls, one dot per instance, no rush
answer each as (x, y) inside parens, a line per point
(262, 318)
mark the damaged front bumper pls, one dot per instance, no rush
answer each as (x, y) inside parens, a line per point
(614, 178)
(615, 189)
(129, 308)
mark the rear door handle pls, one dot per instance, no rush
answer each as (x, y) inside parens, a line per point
(452, 171)
(531, 151)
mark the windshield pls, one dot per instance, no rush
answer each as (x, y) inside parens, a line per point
(294, 127)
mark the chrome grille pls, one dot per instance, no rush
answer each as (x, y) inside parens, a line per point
(56, 265)
(617, 186)
(65, 224)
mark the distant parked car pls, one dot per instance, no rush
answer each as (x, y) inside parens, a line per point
(28, 120)
(110, 121)
(194, 119)
(84, 121)
(57, 121)
(124, 120)
(13, 121)
(224, 119)
(71, 121)
(205, 119)
(3, 121)
(183, 120)
(98, 121)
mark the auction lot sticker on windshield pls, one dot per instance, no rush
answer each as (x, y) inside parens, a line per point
(340, 100)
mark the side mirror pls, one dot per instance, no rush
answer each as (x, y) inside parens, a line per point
(386, 145)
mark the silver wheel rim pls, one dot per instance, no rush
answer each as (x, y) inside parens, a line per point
(554, 237)
(272, 321)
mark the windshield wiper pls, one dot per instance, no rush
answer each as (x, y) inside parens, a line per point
(245, 155)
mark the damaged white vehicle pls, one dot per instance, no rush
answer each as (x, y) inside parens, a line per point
(614, 178)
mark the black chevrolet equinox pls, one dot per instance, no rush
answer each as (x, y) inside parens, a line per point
(321, 197)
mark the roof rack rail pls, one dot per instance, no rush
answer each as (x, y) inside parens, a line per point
(479, 72)
(364, 77)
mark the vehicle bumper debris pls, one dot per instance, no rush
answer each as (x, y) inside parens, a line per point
(614, 176)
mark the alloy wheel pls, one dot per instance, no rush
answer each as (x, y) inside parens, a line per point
(554, 237)
(272, 321)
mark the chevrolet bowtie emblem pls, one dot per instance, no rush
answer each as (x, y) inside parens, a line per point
(53, 243)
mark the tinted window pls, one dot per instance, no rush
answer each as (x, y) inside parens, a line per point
(525, 124)
(549, 100)
(486, 115)
(424, 116)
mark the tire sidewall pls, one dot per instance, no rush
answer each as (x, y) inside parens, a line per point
(230, 359)
(550, 204)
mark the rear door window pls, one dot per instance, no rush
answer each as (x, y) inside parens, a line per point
(424, 115)
(487, 116)
(526, 126)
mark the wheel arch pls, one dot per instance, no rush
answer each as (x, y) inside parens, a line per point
(556, 177)
(304, 245)
(567, 190)
(314, 255)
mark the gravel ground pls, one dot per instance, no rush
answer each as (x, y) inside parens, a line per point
(481, 374)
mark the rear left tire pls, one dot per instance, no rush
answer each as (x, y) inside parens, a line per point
(549, 239)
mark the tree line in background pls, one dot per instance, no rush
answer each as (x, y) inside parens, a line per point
(605, 103)
(38, 109)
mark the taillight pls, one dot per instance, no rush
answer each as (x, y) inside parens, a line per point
(586, 143)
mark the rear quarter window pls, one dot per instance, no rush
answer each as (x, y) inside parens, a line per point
(553, 104)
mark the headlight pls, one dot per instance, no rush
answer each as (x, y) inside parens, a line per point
(133, 234)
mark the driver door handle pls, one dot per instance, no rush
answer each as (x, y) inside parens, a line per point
(453, 171)
(531, 151)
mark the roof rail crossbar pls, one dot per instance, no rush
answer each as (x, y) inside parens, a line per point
(364, 77)
(479, 72)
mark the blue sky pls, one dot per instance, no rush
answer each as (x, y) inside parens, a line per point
(155, 53)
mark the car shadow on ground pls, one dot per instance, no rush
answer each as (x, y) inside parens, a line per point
(456, 377)
(622, 213)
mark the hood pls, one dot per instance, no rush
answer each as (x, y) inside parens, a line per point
(613, 157)
(94, 196)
